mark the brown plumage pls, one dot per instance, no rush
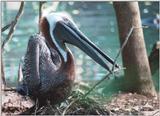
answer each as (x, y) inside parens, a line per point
(53, 78)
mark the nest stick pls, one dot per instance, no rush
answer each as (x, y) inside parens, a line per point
(65, 110)
(122, 47)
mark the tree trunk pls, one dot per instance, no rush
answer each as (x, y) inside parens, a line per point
(154, 58)
(137, 73)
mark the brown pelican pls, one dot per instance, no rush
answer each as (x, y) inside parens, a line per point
(48, 68)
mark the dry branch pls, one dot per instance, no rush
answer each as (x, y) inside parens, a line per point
(13, 26)
(122, 47)
(9, 36)
(113, 71)
(7, 26)
(9, 89)
(65, 110)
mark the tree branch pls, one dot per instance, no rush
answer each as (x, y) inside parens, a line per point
(13, 26)
(9, 36)
(7, 26)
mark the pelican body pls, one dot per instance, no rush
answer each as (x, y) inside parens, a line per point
(48, 67)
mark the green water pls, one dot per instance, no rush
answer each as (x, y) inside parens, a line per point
(95, 19)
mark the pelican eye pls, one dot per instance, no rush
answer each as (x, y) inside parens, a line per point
(65, 19)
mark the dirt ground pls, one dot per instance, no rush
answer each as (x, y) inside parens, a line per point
(120, 104)
(134, 104)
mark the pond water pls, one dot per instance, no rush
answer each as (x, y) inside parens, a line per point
(96, 20)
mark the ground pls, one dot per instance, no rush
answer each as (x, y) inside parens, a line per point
(120, 104)
(133, 104)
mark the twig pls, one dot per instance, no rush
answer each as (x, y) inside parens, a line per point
(13, 26)
(107, 76)
(124, 43)
(9, 36)
(78, 109)
(40, 109)
(9, 89)
(37, 106)
(112, 71)
(57, 108)
(65, 110)
(155, 113)
(122, 47)
(104, 78)
(49, 104)
(43, 111)
(7, 26)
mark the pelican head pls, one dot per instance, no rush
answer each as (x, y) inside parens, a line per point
(62, 30)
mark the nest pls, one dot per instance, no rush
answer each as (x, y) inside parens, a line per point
(75, 104)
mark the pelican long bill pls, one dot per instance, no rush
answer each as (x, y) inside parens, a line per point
(75, 37)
